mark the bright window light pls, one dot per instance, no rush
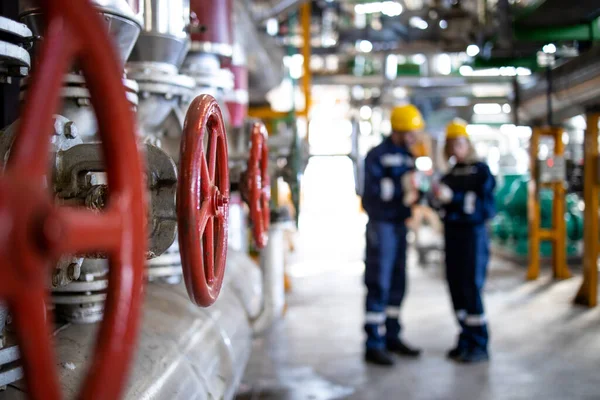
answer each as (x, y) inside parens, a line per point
(418, 59)
(487, 108)
(400, 93)
(444, 64)
(365, 46)
(549, 48)
(424, 164)
(391, 67)
(523, 71)
(465, 70)
(366, 112)
(272, 26)
(294, 64)
(472, 50)
(418, 22)
(506, 108)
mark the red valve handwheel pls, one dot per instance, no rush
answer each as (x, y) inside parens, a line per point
(203, 200)
(34, 232)
(259, 189)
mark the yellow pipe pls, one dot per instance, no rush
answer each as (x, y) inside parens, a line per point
(305, 14)
(266, 113)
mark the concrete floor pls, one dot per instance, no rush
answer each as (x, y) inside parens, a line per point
(542, 347)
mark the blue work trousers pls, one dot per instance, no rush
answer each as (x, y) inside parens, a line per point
(467, 256)
(385, 278)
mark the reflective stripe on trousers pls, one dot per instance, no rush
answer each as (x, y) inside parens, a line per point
(467, 256)
(385, 280)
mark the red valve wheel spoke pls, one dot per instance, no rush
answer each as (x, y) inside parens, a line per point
(259, 190)
(34, 232)
(209, 251)
(36, 343)
(73, 231)
(203, 201)
(29, 154)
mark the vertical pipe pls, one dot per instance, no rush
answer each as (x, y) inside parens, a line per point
(305, 14)
(517, 101)
(549, 96)
(560, 269)
(588, 292)
(533, 209)
(212, 26)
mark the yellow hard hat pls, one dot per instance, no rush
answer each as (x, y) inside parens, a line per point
(407, 118)
(457, 128)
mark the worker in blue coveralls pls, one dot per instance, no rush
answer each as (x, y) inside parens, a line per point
(466, 195)
(389, 192)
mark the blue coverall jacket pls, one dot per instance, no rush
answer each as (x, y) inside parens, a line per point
(467, 247)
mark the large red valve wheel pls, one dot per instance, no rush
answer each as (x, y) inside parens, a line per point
(203, 200)
(259, 189)
(34, 232)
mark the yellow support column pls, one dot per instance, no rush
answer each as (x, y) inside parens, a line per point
(533, 209)
(588, 292)
(558, 233)
(559, 247)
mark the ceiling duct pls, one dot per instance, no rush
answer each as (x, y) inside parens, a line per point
(575, 86)
(265, 57)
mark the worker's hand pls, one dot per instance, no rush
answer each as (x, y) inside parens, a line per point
(409, 188)
(444, 194)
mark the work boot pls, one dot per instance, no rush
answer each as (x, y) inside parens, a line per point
(472, 356)
(456, 353)
(402, 349)
(379, 357)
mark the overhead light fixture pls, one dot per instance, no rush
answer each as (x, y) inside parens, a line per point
(365, 46)
(389, 8)
(444, 24)
(549, 48)
(457, 101)
(418, 22)
(506, 108)
(472, 50)
(487, 108)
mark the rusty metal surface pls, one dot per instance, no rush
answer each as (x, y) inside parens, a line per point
(73, 180)
(35, 232)
(203, 200)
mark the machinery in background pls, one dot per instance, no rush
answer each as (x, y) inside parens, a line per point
(510, 227)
